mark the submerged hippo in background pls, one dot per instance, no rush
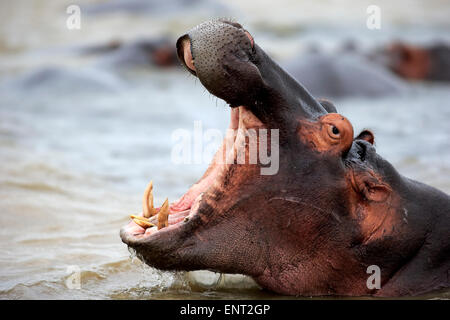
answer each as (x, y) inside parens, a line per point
(413, 62)
(64, 80)
(334, 208)
(381, 72)
(344, 75)
(103, 74)
(145, 52)
(156, 52)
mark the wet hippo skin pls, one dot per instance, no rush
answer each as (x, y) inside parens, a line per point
(334, 207)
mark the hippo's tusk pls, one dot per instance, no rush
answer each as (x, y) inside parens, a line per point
(145, 204)
(150, 202)
(139, 217)
(144, 224)
(163, 215)
(147, 201)
(142, 221)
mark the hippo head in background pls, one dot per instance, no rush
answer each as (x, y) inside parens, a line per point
(329, 211)
(408, 61)
(416, 62)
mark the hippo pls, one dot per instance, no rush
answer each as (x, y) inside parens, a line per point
(344, 75)
(65, 80)
(415, 62)
(104, 73)
(137, 53)
(384, 71)
(333, 211)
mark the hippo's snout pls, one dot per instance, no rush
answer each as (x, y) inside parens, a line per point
(185, 52)
(221, 55)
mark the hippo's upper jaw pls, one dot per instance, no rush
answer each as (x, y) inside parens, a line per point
(332, 209)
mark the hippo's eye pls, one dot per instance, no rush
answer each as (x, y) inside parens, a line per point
(333, 132)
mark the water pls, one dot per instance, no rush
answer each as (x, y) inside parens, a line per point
(76, 157)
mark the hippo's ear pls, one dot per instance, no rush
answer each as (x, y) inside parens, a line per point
(366, 135)
(328, 105)
(370, 186)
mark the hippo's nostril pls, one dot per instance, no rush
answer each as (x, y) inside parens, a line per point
(184, 52)
(187, 54)
(251, 38)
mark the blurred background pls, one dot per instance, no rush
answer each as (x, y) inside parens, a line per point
(87, 115)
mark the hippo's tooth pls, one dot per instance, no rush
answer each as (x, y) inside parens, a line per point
(139, 217)
(152, 208)
(144, 224)
(145, 204)
(147, 201)
(163, 215)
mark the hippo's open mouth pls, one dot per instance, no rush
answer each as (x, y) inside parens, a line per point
(171, 221)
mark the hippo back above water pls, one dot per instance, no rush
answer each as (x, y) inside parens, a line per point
(345, 75)
(332, 210)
